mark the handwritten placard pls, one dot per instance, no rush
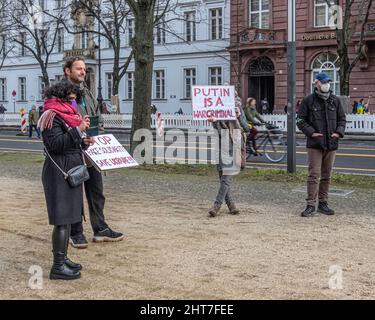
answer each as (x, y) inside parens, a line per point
(107, 153)
(213, 102)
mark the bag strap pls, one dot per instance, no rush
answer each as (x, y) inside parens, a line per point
(58, 167)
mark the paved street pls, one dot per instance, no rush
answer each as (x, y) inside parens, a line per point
(357, 157)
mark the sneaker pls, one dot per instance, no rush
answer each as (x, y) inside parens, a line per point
(308, 212)
(107, 235)
(323, 208)
(78, 241)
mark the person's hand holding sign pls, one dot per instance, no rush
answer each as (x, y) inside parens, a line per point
(212, 119)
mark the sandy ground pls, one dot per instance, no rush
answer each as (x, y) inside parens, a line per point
(173, 250)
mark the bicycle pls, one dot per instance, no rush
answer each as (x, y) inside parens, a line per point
(273, 144)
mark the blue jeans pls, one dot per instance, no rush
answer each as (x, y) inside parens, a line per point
(224, 193)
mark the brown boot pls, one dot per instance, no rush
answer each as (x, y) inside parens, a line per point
(232, 208)
(215, 209)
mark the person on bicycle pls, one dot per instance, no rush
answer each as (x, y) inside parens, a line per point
(254, 119)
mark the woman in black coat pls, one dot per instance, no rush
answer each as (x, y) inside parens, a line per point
(63, 136)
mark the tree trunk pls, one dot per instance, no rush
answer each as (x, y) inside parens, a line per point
(342, 50)
(45, 76)
(143, 47)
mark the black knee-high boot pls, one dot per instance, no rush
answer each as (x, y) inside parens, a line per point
(59, 269)
(68, 262)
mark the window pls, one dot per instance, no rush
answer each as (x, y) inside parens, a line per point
(130, 24)
(190, 26)
(22, 50)
(159, 84)
(84, 39)
(3, 46)
(3, 89)
(60, 4)
(130, 85)
(189, 80)
(41, 88)
(108, 81)
(110, 28)
(42, 4)
(22, 88)
(60, 40)
(322, 13)
(328, 63)
(215, 76)
(259, 14)
(216, 18)
(160, 33)
(44, 40)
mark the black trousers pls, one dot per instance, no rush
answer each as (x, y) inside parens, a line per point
(95, 200)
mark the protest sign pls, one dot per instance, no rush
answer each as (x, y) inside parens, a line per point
(108, 154)
(213, 102)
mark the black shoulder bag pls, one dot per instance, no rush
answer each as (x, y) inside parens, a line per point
(75, 176)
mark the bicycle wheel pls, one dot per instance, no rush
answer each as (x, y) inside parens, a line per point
(275, 149)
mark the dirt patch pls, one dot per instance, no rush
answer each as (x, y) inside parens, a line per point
(173, 250)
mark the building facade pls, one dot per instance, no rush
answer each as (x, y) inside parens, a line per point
(258, 49)
(191, 49)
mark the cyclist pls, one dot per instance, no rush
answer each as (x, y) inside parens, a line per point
(254, 119)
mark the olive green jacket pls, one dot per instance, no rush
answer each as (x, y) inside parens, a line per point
(252, 115)
(89, 106)
(33, 117)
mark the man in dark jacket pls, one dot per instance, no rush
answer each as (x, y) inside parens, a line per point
(75, 71)
(322, 119)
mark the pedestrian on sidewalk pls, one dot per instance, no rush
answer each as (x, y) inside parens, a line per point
(33, 121)
(75, 72)
(322, 119)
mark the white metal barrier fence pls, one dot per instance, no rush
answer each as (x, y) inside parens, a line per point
(355, 123)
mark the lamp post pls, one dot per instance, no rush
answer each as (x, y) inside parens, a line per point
(100, 95)
(291, 86)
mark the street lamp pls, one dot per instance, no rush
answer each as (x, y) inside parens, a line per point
(100, 95)
(291, 86)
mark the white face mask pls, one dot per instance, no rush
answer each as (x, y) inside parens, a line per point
(325, 87)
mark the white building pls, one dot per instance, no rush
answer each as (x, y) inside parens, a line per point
(195, 53)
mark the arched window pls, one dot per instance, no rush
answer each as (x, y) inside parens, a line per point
(328, 63)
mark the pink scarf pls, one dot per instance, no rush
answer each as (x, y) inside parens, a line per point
(63, 110)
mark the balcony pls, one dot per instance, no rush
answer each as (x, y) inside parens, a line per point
(86, 53)
(253, 37)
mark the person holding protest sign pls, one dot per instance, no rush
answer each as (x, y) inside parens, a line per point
(230, 134)
(63, 130)
(75, 72)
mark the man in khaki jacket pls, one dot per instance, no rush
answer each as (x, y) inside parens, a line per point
(33, 121)
(75, 71)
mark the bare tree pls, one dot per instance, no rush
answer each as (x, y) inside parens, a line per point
(148, 15)
(111, 16)
(143, 47)
(351, 24)
(33, 33)
(5, 45)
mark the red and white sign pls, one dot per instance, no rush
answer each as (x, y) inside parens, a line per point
(108, 154)
(213, 102)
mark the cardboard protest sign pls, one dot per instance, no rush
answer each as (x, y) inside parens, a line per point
(108, 154)
(213, 102)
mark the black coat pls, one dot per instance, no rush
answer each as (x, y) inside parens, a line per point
(64, 203)
(321, 116)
